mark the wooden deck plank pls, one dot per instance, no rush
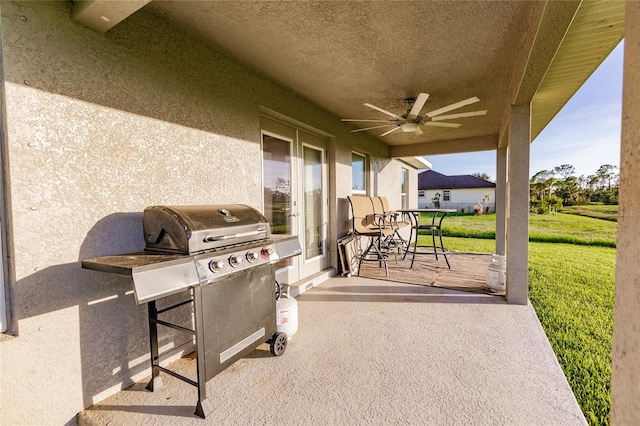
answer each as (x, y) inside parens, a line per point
(468, 271)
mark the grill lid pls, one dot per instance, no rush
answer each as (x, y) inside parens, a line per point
(192, 229)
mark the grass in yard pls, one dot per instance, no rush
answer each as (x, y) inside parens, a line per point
(594, 211)
(558, 228)
(571, 288)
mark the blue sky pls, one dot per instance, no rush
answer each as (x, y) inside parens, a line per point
(585, 133)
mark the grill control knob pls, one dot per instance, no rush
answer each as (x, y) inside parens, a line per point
(252, 256)
(266, 252)
(235, 261)
(216, 265)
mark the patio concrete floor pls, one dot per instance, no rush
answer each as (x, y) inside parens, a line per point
(373, 352)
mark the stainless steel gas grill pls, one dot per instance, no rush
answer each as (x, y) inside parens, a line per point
(194, 229)
(223, 257)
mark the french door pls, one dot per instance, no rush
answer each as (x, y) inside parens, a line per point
(295, 197)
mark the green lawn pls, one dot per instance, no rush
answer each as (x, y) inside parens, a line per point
(594, 211)
(571, 287)
(559, 228)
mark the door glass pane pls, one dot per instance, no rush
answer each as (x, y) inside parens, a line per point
(403, 189)
(313, 207)
(277, 183)
(358, 174)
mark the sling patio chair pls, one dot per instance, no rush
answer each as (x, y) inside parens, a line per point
(366, 223)
(395, 240)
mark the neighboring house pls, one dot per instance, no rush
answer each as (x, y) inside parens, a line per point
(461, 192)
(111, 106)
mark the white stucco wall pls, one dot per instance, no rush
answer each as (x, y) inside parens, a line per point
(97, 128)
(462, 197)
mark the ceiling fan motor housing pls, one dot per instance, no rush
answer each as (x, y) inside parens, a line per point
(409, 127)
(412, 120)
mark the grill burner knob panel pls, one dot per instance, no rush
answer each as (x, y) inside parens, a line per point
(252, 256)
(235, 261)
(266, 252)
(216, 265)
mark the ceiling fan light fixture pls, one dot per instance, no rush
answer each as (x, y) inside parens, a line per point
(411, 120)
(409, 127)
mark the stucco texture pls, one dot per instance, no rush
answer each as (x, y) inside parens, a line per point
(625, 380)
(97, 128)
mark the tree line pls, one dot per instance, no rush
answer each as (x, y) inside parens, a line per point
(551, 189)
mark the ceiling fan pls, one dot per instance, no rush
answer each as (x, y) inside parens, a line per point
(412, 120)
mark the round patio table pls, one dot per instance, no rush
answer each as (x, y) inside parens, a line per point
(435, 227)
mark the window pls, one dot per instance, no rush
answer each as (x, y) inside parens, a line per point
(358, 173)
(404, 179)
(446, 195)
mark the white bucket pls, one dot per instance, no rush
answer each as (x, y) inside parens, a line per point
(497, 274)
(287, 316)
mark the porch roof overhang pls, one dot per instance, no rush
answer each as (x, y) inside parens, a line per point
(340, 55)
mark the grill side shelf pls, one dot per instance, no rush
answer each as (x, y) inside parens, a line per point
(126, 264)
(153, 275)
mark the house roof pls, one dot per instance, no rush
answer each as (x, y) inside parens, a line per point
(342, 55)
(434, 180)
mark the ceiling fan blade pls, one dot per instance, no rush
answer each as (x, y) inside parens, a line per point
(369, 128)
(461, 115)
(392, 130)
(418, 104)
(452, 106)
(418, 131)
(384, 111)
(370, 121)
(438, 124)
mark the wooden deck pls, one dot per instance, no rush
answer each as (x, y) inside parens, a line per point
(468, 271)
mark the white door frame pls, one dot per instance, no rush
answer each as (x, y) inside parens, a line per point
(299, 267)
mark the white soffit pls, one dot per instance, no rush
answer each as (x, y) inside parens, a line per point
(102, 15)
(419, 163)
(595, 31)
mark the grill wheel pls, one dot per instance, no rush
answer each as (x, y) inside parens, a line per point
(278, 343)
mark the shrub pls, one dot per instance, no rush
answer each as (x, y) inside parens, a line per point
(546, 205)
(436, 200)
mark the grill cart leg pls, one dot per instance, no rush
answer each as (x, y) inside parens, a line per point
(204, 407)
(156, 380)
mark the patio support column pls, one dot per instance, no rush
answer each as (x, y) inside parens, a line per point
(518, 205)
(625, 377)
(501, 200)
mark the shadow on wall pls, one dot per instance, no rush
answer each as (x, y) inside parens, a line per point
(378, 164)
(113, 329)
(117, 233)
(343, 217)
(114, 333)
(147, 66)
(61, 286)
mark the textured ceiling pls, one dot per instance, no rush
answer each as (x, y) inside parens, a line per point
(341, 54)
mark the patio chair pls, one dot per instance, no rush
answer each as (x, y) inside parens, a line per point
(381, 206)
(367, 223)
